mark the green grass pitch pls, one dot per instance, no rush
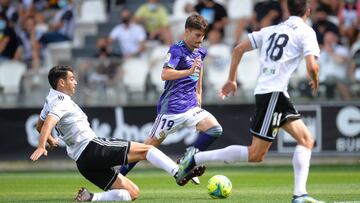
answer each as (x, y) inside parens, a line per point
(251, 183)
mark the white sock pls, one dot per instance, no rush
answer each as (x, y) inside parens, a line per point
(112, 195)
(230, 154)
(301, 163)
(160, 160)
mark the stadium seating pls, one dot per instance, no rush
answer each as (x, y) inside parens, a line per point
(248, 70)
(135, 70)
(92, 11)
(11, 73)
(60, 52)
(157, 58)
(218, 70)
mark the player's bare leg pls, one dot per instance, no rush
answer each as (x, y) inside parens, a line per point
(301, 159)
(258, 149)
(140, 151)
(209, 130)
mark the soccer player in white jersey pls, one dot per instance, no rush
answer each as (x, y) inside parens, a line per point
(282, 47)
(95, 157)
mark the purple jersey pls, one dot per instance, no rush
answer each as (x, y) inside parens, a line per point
(180, 95)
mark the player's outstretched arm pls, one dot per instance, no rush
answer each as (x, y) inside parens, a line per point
(230, 86)
(172, 74)
(53, 142)
(48, 125)
(313, 72)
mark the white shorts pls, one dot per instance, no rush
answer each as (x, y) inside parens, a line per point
(166, 124)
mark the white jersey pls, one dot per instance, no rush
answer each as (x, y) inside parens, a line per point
(73, 126)
(282, 48)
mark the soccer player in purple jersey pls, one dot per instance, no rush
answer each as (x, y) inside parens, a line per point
(180, 103)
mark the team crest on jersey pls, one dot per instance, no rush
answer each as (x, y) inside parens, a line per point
(162, 135)
(167, 58)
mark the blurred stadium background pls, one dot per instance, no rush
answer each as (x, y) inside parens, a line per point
(117, 48)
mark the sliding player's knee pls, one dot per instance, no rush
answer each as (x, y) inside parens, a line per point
(215, 131)
(143, 150)
(148, 149)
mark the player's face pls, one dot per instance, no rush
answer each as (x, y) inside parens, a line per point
(194, 38)
(70, 84)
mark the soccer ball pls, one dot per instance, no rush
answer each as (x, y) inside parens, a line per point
(219, 187)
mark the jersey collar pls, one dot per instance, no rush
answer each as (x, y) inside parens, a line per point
(188, 48)
(55, 92)
(296, 18)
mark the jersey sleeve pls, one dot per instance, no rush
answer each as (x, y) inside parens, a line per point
(256, 39)
(59, 109)
(310, 44)
(172, 58)
(44, 112)
(203, 53)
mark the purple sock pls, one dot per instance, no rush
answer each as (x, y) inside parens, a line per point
(204, 141)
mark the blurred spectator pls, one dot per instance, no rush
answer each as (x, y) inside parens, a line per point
(214, 13)
(219, 53)
(241, 12)
(62, 26)
(41, 26)
(321, 24)
(107, 75)
(53, 4)
(333, 63)
(183, 8)
(10, 45)
(129, 35)
(266, 13)
(9, 8)
(216, 62)
(31, 46)
(349, 20)
(331, 6)
(103, 51)
(155, 18)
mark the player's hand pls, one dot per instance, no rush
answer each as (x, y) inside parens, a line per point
(38, 153)
(229, 88)
(195, 66)
(314, 86)
(53, 143)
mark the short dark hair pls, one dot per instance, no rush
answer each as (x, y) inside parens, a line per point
(56, 73)
(196, 22)
(297, 7)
